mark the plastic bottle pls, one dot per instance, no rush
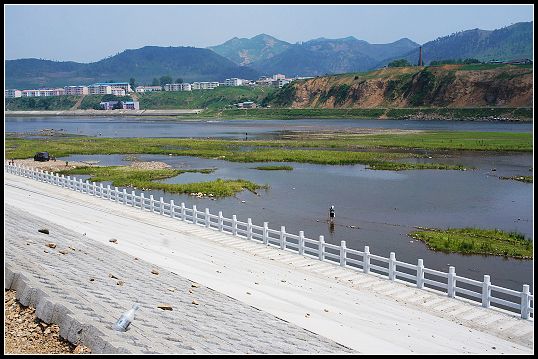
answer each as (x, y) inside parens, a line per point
(126, 318)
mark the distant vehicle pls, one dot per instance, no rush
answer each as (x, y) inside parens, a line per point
(42, 156)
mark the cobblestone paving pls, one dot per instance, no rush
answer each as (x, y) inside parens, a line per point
(75, 291)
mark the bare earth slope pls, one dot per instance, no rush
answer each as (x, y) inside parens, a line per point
(455, 86)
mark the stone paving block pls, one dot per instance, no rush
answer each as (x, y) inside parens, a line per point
(86, 309)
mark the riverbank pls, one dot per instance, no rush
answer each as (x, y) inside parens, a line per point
(503, 114)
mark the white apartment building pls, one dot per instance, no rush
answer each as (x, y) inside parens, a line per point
(279, 77)
(142, 89)
(76, 90)
(12, 93)
(178, 87)
(124, 85)
(98, 89)
(118, 91)
(42, 92)
(233, 82)
(281, 82)
(204, 85)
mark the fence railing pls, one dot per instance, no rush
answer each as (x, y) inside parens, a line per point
(449, 283)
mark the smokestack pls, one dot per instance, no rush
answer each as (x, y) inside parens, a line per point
(420, 57)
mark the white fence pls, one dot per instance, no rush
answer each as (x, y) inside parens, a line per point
(450, 283)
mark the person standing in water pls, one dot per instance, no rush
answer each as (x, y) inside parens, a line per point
(331, 213)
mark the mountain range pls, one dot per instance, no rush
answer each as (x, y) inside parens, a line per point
(266, 55)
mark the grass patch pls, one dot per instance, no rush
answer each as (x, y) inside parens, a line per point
(124, 176)
(342, 150)
(274, 168)
(476, 241)
(526, 179)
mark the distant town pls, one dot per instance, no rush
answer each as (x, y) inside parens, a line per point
(124, 88)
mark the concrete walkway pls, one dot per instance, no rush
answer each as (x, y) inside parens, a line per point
(363, 312)
(85, 286)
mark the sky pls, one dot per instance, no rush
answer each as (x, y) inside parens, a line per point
(88, 33)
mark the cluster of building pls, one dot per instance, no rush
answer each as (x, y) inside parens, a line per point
(277, 80)
(100, 88)
(124, 105)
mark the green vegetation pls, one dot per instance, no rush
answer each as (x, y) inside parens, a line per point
(476, 241)
(217, 98)
(399, 63)
(139, 178)
(40, 103)
(341, 150)
(274, 168)
(453, 62)
(92, 101)
(522, 113)
(526, 179)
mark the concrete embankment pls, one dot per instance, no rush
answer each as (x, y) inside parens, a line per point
(213, 282)
(104, 113)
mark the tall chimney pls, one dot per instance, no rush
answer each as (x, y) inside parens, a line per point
(420, 57)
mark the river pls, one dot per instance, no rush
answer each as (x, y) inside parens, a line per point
(374, 208)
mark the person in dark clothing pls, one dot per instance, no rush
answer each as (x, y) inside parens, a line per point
(331, 213)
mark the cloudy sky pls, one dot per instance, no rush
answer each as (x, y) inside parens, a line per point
(87, 33)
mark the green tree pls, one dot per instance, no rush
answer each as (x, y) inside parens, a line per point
(179, 80)
(165, 80)
(155, 82)
(118, 106)
(132, 83)
(399, 63)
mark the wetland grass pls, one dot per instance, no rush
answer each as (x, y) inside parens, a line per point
(476, 241)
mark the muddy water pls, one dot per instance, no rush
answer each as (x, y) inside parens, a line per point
(165, 127)
(383, 205)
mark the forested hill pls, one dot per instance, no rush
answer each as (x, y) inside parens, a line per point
(144, 64)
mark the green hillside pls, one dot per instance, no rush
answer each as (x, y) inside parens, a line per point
(218, 98)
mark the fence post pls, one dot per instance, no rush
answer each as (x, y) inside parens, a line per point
(321, 248)
(486, 291)
(392, 266)
(94, 189)
(301, 243)
(207, 223)
(366, 260)
(151, 203)
(265, 233)
(451, 282)
(183, 212)
(161, 204)
(343, 253)
(108, 191)
(525, 302)
(221, 220)
(82, 186)
(194, 214)
(142, 204)
(234, 225)
(100, 190)
(282, 237)
(172, 212)
(68, 182)
(133, 202)
(420, 274)
(249, 229)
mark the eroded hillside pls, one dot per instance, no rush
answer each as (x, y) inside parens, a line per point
(456, 86)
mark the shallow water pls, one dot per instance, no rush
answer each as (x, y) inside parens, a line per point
(234, 129)
(384, 205)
